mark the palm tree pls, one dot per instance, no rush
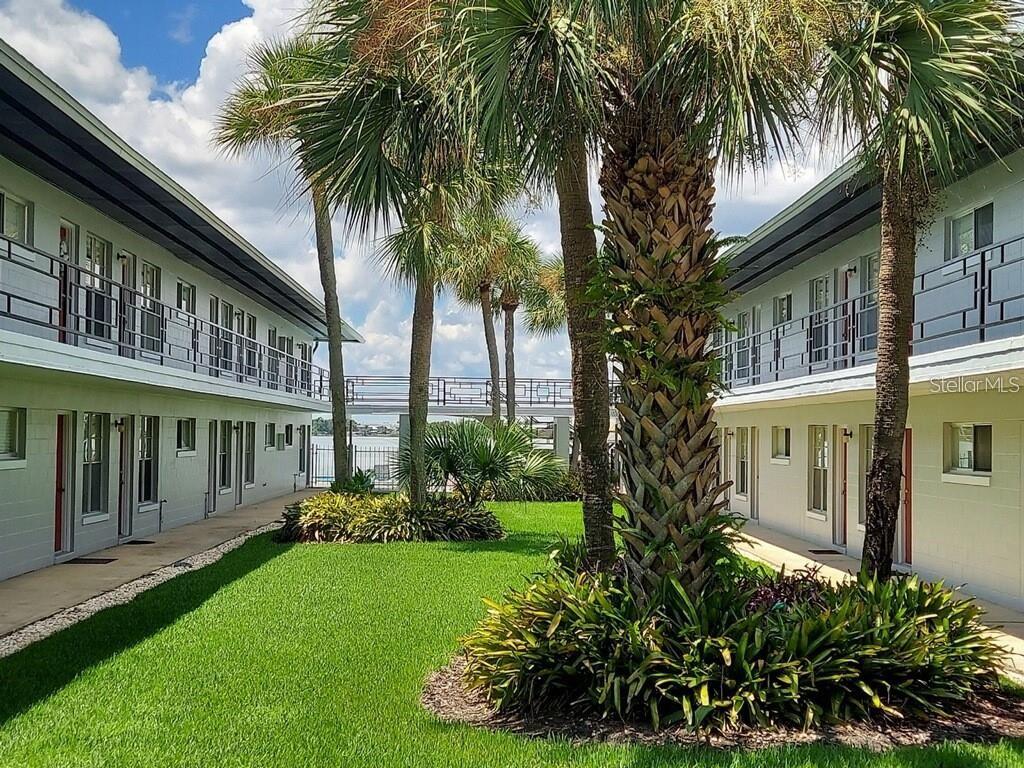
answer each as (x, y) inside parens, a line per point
(254, 118)
(544, 298)
(385, 145)
(534, 64)
(686, 87)
(922, 89)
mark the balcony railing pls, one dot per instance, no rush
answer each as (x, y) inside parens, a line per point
(52, 298)
(965, 300)
(459, 391)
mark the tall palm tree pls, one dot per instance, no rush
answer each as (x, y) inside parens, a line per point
(688, 87)
(387, 146)
(923, 89)
(255, 118)
(544, 298)
(535, 66)
(518, 272)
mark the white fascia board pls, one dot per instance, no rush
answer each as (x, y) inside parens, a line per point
(30, 351)
(970, 363)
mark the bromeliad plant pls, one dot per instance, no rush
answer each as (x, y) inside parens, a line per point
(480, 461)
(858, 650)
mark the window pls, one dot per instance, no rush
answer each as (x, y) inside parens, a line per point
(968, 232)
(273, 358)
(270, 435)
(819, 464)
(95, 436)
(12, 434)
(96, 276)
(186, 297)
(150, 309)
(742, 461)
(15, 218)
(968, 448)
(782, 309)
(780, 442)
(186, 435)
(303, 447)
(250, 344)
(289, 435)
(867, 453)
(250, 452)
(820, 299)
(227, 349)
(867, 317)
(286, 345)
(743, 344)
(149, 446)
(226, 432)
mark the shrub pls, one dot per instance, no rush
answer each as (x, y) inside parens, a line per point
(480, 461)
(354, 518)
(854, 651)
(567, 486)
(361, 481)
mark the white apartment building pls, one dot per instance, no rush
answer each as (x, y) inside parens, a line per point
(796, 420)
(155, 368)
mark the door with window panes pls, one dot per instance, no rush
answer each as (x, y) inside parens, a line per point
(820, 330)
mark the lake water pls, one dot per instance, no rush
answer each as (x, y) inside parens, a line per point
(375, 453)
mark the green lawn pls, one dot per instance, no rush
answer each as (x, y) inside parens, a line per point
(314, 655)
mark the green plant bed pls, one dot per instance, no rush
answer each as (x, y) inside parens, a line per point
(755, 649)
(363, 518)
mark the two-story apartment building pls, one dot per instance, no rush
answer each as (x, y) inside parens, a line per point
(796, 422)
(155, 368)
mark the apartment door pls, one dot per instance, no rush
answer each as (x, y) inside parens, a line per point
(125, 484)
(211, 485)
(62, 530)
(239, 454)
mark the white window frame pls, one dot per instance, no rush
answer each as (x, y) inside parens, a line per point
(185, 449)
(780, 317)
(867, 452)
(949, 254)
(185, 299)
(819, 467)
(26, 224)
(149, 452)
(225, 457)
(783, 454)
(249, 455)
(270, 436)
(289, 435)
(15, 459)
(742, 462)
(954, 470)
(93, 456)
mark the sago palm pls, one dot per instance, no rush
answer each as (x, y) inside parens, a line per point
(923, 89)
(256, 117)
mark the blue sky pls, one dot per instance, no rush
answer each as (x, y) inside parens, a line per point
(168, 37)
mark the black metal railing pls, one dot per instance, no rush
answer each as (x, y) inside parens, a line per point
(459, 391)
(965, 300)
(51, 297)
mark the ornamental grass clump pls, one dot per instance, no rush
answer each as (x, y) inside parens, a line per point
(329, 516)
(848, 652)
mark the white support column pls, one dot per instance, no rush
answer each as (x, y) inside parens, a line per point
(562, 438)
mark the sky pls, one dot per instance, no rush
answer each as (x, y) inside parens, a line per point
(156, 71)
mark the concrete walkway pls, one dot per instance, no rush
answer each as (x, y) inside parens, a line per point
(779, 549)
(36, 595)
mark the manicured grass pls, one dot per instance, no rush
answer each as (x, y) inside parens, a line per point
(314, 655)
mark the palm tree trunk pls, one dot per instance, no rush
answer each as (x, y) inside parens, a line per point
(336, 355)
(659, 197)
(419, 383)
(510, 362)
(902, 202)
(492, 350)
(586, 341)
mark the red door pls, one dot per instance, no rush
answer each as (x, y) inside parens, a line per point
(58, 495)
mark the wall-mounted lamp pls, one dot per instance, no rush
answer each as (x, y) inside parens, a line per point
(847, 433)
(123, 256)
(119, 424)
(729, 433)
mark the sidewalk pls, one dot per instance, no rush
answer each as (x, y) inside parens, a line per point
(36, 595)
(779, 549)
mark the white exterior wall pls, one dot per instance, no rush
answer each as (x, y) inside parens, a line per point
(965, 534)
(27, 488)
(50, 205)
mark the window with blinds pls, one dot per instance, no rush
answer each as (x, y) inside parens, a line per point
(12, 443)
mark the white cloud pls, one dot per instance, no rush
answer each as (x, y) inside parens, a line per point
(181, 24)
(171, 124)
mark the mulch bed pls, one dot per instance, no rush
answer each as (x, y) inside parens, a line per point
(988, 718)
